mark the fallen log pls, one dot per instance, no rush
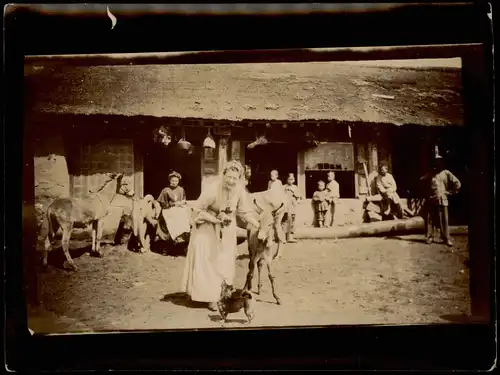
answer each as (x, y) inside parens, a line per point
(382, 228)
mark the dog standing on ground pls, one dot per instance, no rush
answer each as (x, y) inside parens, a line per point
(233, 300)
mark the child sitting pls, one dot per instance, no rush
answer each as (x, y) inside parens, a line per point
(321, 203)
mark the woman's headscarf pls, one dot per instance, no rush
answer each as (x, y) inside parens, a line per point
(174, 174)
(236, 166)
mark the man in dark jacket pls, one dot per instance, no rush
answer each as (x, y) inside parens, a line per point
(439, 183)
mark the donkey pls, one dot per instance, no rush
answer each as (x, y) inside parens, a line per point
(65, 213)
(145, 214)
(264, 243)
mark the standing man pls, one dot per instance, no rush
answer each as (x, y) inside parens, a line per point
(386, 187)
(439, 183)
(333, 189)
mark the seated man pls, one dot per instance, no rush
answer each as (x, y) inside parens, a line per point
(174, 211)
(386, 187)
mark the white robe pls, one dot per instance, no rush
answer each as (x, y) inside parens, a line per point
(210, 258)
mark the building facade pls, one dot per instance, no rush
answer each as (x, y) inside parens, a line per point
(84, 122)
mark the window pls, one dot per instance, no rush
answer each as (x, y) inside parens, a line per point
(100, 157)
(330, 156)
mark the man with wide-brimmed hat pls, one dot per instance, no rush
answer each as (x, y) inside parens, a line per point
(440, 183)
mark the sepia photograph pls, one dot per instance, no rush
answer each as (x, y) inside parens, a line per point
(294, 186)
(261, 194)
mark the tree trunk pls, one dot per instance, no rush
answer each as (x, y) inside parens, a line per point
(392, 227)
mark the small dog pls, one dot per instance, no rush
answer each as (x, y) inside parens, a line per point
(233, 300)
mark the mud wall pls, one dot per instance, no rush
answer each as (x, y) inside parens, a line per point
(52, 178)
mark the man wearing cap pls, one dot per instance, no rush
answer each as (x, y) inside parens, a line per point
(439, 183)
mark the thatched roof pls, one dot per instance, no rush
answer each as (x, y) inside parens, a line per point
(281, 91)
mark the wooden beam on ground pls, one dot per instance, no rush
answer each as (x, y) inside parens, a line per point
(389, 227)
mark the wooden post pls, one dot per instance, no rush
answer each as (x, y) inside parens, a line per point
(138, 171)
(372, 157)
(301, 173)
(242, 153)
(360, 174)
(236, 150)
(209, 164)
(223, 154)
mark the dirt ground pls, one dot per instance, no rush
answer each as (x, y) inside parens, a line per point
(353, 281)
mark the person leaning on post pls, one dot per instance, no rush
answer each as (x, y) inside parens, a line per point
(439, 184)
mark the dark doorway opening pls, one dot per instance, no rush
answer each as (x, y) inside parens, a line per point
(263, 159)
(410, 161)
(344, 178)
(159, 161)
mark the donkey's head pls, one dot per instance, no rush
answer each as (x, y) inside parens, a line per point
(124, 185)
(268, 220)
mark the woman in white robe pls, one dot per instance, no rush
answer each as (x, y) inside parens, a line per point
(211, 256)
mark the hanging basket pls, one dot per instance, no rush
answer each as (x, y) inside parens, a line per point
(185, 145)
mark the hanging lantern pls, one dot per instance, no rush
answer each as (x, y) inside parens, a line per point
(185, 145)
(209, 141)
(162, 135)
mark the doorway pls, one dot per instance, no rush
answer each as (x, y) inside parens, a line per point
(160, 161)
(263, 159)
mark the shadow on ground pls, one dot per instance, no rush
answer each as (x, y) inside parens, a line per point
(57, 258)
(219, 319)
(416, 240)
(182, 299)
(169, 249)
